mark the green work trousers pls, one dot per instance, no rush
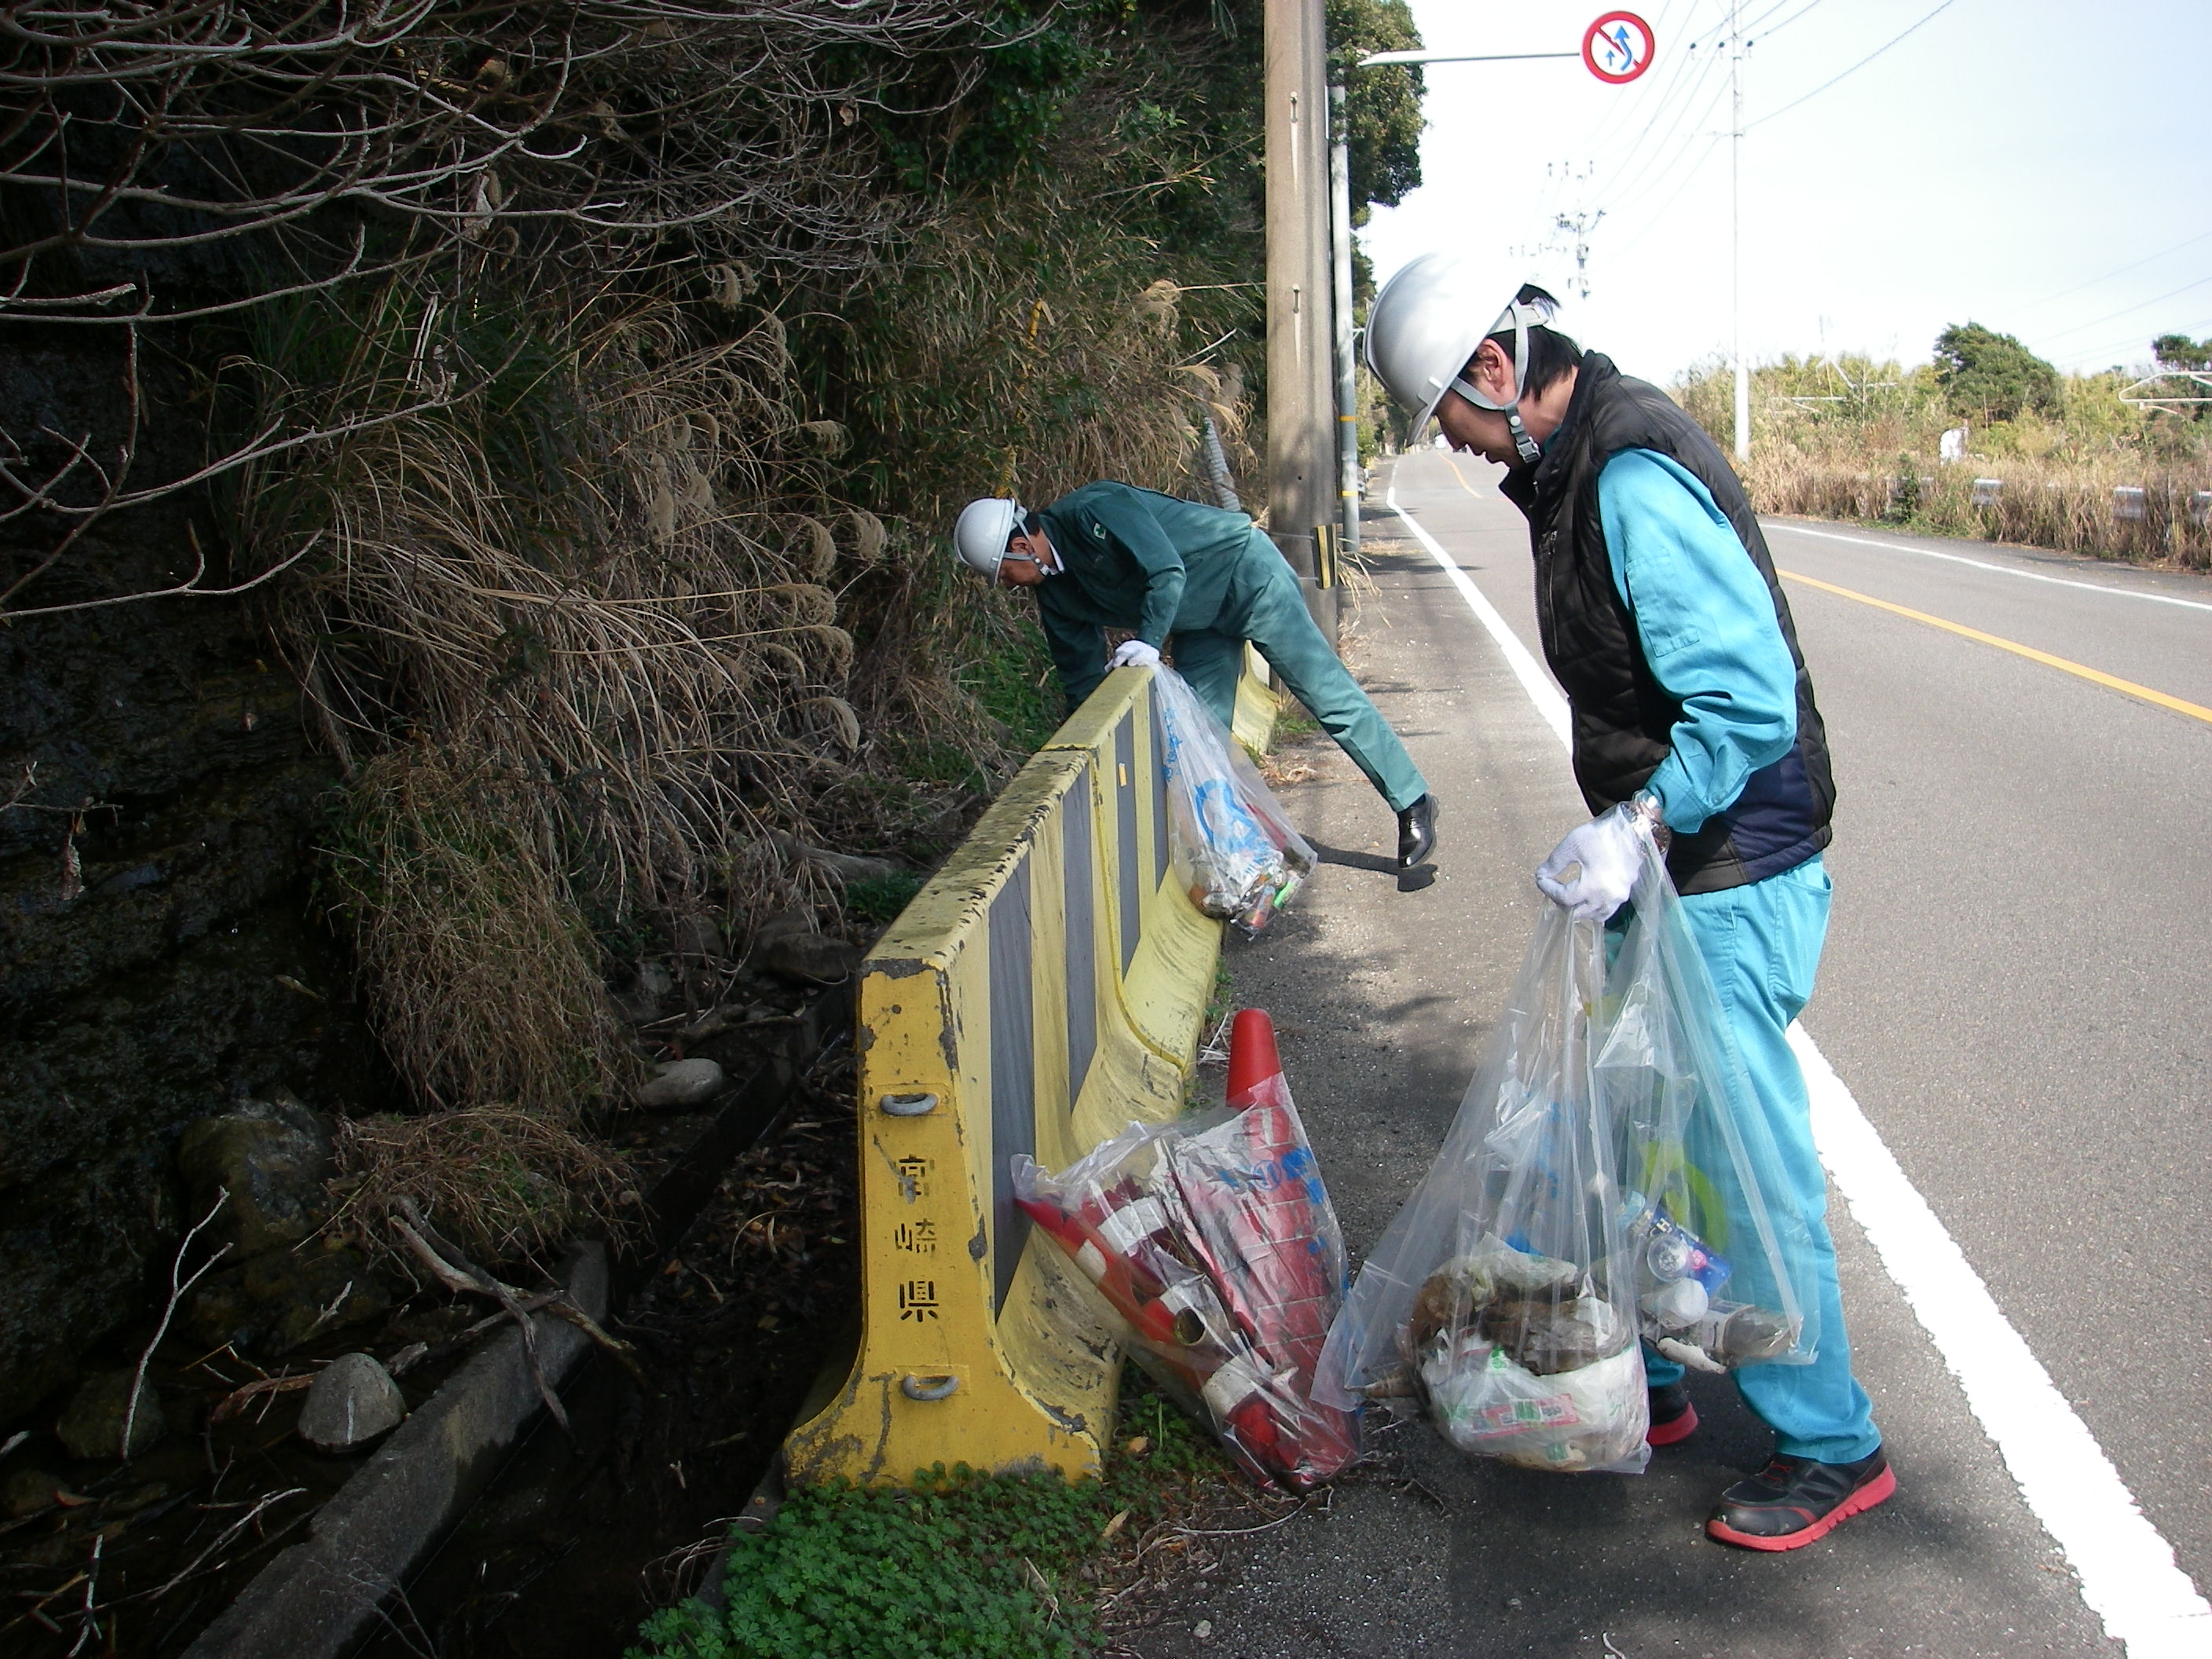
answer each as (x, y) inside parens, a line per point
(1263, 605)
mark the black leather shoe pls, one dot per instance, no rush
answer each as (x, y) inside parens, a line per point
(1794, 1501)
(1417, 832)
(1674, 1419)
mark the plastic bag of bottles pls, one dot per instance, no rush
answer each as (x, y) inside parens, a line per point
(1599, 1185)
(1235, 851)
(1213, 1241)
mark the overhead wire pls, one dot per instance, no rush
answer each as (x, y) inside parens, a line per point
(1657, 96)
(1679, 86)
(2140, 305)
(1853, 70)
(1643, 148)
(2064, 294)
(1762, 32)
(1685, 133)
(1659, 214)
(1624, 109)
(2090, 354)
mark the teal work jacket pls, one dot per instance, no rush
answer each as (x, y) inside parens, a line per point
(1136, 559)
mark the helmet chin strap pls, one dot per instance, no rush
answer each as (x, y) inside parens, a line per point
(1522, 315)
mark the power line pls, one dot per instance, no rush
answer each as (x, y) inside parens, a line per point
(1688, 173)
(2141, 305)
(1853, 70)
(1765, 32)
(2087, 354)
(1686, 129)
(1640, 155)
(1682, 84)
(2069, 292)
(1759, 21)
(1625, 108)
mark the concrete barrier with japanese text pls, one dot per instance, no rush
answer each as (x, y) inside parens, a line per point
(1045, 988)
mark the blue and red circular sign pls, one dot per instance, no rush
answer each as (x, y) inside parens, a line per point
(1618, 47)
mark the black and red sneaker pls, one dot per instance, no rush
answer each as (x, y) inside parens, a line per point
(1674, 1419)
(1794, 1501)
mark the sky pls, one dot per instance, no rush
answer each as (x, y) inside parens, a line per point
(2042, 170)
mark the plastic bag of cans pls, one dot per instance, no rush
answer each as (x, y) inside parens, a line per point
(1235, 851)
(1599, 1185)
(1213, 1242)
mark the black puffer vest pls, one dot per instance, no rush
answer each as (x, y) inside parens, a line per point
(1623, 718)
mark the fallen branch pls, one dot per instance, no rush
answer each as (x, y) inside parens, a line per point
(177, 1288)
(415, 1353)
(234, 1402)
(89, 1625)
(222, 1538)
(467, 1284)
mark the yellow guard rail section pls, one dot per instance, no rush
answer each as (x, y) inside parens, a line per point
(1043, 990)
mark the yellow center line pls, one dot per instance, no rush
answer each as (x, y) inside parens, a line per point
(2196, 711)
(1461, 477)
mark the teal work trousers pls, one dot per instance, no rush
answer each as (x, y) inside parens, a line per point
(1263, 604)
(1761, 943)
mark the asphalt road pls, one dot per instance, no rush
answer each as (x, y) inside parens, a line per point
(2013, 991)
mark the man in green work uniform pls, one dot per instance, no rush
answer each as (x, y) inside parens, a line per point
(1113, 556)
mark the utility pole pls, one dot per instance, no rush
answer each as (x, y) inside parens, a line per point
(1301, 453)
(1735, 231)
(1347, 382)
(1579, 228)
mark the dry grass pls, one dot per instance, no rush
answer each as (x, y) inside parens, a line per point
(504, 1184)
(580, 653)
(2066, 505)
(481, 978)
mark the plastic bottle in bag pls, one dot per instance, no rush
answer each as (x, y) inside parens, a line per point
(1237, 854)
(1601, 1181)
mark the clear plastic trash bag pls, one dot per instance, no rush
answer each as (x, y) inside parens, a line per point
(1212, 1243)
(1599, 1184)
(1235, 851)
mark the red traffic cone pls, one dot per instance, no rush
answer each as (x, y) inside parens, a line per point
(1256, 1070)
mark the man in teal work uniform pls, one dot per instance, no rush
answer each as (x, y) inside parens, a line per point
(1663, 619)
(1207, 580)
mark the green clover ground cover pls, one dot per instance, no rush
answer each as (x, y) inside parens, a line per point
(976, 1566)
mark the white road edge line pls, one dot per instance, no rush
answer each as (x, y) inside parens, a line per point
(1551, 702)
(1983, 564)
(2126, 1569)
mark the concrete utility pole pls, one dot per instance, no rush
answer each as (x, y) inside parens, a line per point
(1736, 232)
(1300, 452)
(1348, 370)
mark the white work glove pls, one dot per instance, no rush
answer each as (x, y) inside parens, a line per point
(1591, 872)
(1135, 654)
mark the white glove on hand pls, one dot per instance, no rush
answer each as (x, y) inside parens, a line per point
(1135, 654)
(1591, 872)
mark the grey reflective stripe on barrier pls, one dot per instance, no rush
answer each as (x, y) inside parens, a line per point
(1159, 793)
(1013, 1069)
(1081, 909)
(1131, 891)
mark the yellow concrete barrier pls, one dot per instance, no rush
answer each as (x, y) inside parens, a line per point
(1045, 987)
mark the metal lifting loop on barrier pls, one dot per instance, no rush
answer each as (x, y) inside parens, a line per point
(927, 1387)
(907, 1105)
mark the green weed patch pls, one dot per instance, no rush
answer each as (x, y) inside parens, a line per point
(981, 1566)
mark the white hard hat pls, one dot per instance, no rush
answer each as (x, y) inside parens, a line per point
(980, 536)
(1428, 320)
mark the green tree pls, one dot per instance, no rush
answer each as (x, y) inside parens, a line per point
(2178, 351)
(1382, 106)
(1992, 375)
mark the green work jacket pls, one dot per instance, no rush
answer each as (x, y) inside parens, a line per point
(1131, 558)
